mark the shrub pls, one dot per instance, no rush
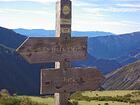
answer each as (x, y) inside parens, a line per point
(26, 101)
(73, 103)
(9, 101)
(106, 104)
(18, 101)
(4, 93)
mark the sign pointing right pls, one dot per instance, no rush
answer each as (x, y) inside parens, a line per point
(70, 80)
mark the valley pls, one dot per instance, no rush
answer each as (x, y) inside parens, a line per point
(17, 73)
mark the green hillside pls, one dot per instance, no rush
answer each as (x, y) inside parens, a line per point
(84, 98)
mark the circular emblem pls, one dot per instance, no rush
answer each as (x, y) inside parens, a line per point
(66, 10)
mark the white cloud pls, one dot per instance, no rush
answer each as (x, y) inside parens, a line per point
(42, 1)
(21, 11)
(131, 23)
(129, 5)
(2, 12)
(83, 4)
(123, 9)
(127, 0)
(112, 9)
(95, 11)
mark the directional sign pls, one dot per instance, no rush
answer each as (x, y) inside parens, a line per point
(42, 50)
(70, 80)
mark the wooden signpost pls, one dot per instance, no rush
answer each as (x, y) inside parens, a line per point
(61, 80)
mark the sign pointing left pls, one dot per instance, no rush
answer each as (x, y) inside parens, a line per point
(43, 50)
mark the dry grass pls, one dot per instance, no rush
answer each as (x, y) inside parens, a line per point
(50, 101)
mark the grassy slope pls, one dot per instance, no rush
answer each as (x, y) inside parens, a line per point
(50, 100)
(107, 93)
(102, 103)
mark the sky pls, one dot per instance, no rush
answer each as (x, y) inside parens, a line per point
(116, 16)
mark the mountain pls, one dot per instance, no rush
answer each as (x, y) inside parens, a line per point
(10, 38)
(109, 47)
(130, 58)
(51, 33)
(104, 65)
(19, 77)
(127, 77)
(16, 75)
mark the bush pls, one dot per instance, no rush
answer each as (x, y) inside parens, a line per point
(4, 93)
(106, 103)
(77, 96)
(9, 101)
(18, 101)
(6, 99)
(26, 101)
(73, 103)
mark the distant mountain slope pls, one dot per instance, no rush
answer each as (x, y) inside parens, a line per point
(127, 77)
(16, 75)
(10, 38)
(130, 58)
(104, 65)
(51, 33)
(109, 47)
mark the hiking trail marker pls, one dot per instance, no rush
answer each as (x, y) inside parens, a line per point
(62, 80)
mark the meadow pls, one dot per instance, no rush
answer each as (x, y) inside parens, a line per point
(97, 98)
(79, 98)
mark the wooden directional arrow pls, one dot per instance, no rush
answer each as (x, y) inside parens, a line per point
(70, 80)
(42, 50)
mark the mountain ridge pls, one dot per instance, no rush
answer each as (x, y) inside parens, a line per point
(109, 47)
(10, 38)
(51, 33)
(125, 78)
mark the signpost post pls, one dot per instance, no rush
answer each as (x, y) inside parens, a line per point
(62, 80)
(63, 31)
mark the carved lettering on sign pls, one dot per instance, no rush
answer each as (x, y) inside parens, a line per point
(42, 50)
(71, 80)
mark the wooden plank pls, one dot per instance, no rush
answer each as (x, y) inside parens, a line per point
(70, 80)
(42, 50)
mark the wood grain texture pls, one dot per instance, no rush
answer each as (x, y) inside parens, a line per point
(42, 50)
(70, 80)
